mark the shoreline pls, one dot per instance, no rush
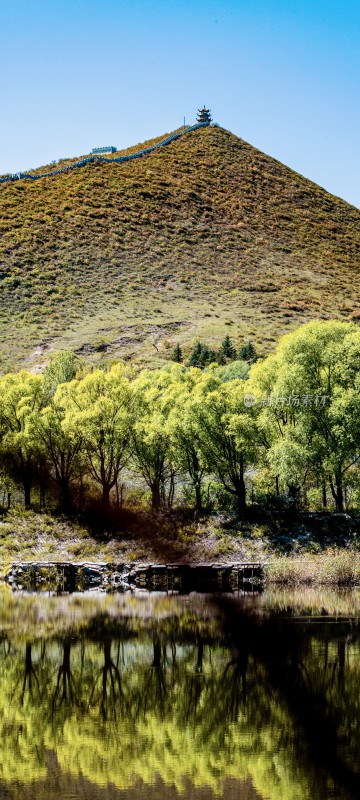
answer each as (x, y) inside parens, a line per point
(309, 550)
(299, 575)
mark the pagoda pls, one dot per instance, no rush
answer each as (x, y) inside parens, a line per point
(204, 116)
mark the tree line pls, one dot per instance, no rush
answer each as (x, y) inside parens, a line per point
(287, 424)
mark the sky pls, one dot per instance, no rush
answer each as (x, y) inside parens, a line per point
(282, 74)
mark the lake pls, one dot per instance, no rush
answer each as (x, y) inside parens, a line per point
(152, 695)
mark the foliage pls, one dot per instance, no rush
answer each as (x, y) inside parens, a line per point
(233, 370)
(227, 350)
(202, 356)
(309, 389)
(288, 427)
(248, 353)
(98, 409)
(177, 354)
(227, 433)
(61, 368)
(21, 398)
(150, 436)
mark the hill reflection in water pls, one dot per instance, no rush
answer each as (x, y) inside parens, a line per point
(168, 697)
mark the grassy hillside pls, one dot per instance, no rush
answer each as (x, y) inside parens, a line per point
(205, 237)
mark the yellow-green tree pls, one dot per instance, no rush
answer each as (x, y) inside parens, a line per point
(310, 399)
(153, 455)
(62, 447)
(227, 432)
(184, 429)
(21, 397)
(98, 409)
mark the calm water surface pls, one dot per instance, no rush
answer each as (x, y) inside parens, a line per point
(198, 697)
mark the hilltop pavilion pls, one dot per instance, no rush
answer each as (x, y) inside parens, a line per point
(204, 115)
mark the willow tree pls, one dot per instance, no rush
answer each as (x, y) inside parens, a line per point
(98, 409)
(153, 454)
(309, 391)
(227, 432)
(21, 397)
(183, 425)
(62, 368)
(61, 447)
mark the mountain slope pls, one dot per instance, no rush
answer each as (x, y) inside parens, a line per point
(205, 233)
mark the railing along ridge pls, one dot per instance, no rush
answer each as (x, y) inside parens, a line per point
(100, 159)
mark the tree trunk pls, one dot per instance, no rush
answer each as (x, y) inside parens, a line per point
(65, 502)
(324, 497)
(198, 500)
(294, 492)
(277, 491)
(195, 473)
(27, 494)
(106, 495)
(240, 488)
(241, 496)
(171, 491)
(155, 496)
(81, 493)
(339, 494)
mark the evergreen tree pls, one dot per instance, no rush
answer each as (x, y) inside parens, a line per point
(227, 350)
(176, 354)
(202, 356)
(221, 360)
(196, 356)
(248, 353)
(208, 356)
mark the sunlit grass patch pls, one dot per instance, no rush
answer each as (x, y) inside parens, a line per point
(334, 566)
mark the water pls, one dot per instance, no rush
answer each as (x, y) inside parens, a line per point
(198, 697)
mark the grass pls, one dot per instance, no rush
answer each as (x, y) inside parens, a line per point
(333, 567)
(205, 237)
(32, 536)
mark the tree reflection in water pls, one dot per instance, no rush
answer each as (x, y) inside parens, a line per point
(264, 701)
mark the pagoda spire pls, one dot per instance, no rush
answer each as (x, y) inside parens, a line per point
(204, 116)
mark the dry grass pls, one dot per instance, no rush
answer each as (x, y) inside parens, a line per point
(333, 567)
(205, 237)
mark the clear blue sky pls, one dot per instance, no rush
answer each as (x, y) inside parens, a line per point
(282, 74)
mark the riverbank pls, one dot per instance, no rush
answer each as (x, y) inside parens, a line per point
(312, 549)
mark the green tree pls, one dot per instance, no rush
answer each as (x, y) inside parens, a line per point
(248, 353)
(227, 350)
(208, 356)
(184, 430)
(202, 356)
(227, 432)
(195, 357)
(232, 370)
(62, 448)
(21, 397)
(62, 368)
(98, 408)
(151, 439)
(177, 354)
(312, 390)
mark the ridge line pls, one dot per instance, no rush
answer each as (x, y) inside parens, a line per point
(100, 159)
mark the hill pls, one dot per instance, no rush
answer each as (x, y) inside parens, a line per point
(204, 237)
